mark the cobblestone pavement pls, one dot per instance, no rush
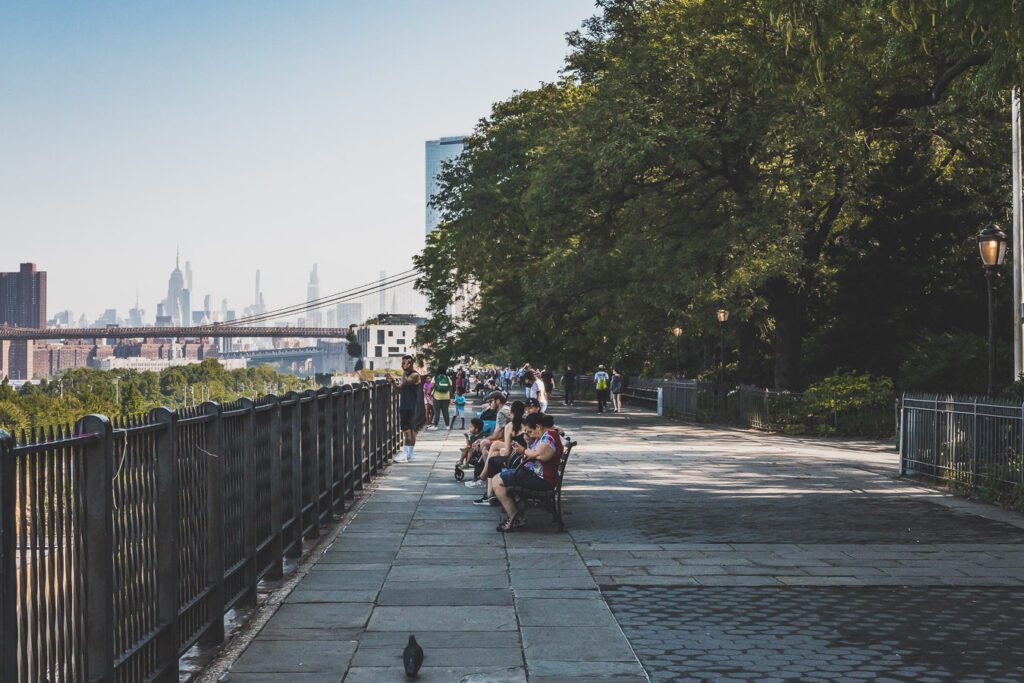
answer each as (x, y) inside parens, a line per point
(731, 555)
(824, 634)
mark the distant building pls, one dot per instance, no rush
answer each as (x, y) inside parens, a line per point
(437, 152)
(174, 304)
(313, 317)
(386, 338)
(349, 314)
(22, 304)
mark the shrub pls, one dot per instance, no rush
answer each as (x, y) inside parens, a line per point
(849, 404)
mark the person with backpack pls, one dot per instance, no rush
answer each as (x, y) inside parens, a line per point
(601, 380)
(441, 390)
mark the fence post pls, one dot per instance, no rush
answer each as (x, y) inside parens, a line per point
(313, 420)
(8, 582)
(167, 520)
(98, 503)
(974, 444)
(295, 453)
(900, 433)
(214, 633)
(276, 570)
(249, 501)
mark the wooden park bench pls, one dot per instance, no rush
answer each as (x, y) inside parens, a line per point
(552, 500)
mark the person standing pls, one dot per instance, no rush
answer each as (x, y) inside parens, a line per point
(549, 380)
(410, 411)
(616, 388)
(442, 391)
(428, 399)
(569, 385)
(601, 387)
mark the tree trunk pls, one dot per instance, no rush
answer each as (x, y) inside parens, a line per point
(788, 306)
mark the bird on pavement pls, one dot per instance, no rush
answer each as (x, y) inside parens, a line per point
(412, 657)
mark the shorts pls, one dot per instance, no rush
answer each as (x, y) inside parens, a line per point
(524, 479)
(460, 411)
(405, 418)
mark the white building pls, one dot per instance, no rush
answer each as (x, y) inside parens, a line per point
(386, 339)
(439, 151)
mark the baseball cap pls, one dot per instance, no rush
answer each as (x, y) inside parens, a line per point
(532, 403)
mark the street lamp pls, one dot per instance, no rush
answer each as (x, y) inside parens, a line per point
(723, 316)
(677, 332)
(992, 245)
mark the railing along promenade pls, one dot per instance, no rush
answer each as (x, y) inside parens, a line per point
(192, 331)
(124, 544)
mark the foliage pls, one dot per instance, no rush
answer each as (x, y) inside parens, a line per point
(818, 167)
(849, 404)
(946, 362)
(124, 393)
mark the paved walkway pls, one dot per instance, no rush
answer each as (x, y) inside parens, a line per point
(707, 554)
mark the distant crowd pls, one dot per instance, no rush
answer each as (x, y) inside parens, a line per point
(508, 445)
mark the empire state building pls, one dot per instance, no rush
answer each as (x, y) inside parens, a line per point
(177, 304)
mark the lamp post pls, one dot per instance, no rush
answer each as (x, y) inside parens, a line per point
(677, 332)
(723, 316)
(992, 246)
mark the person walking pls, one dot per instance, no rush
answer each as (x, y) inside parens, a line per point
(569, 385)
(442, 391)
(616, 388)
(601, 387)
(549, 380)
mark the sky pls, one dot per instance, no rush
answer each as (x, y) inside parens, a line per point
(268, 135)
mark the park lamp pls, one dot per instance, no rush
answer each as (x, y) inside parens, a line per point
(992, 245)
(677, 332)
(722, 315)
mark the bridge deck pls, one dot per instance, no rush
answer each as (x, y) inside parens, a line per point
(708, 553)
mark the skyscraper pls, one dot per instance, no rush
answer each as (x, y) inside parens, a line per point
(173, 304)
(313, 317)
(437, 152)
(22, 304)
(349, 314)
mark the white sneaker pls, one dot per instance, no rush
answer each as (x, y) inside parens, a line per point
(475, 484)
(432, 428)
(400, 458)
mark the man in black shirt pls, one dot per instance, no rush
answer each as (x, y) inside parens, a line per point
(569, 385)
(409, 397)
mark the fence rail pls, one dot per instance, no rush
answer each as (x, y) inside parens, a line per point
(123, 544)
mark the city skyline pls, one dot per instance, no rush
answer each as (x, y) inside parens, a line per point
(135, 126)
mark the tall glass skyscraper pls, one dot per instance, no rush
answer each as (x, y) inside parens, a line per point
(437, 152)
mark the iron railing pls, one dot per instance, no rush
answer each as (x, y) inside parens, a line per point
(962, 440)
(758, 408)
(123, 544)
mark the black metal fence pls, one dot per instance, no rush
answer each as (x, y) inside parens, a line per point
(124, 544)
(758, 408)
(962, 440)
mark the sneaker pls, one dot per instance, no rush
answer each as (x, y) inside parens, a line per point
(432, 428)
(475, 484)
(400, 459)
(483, 500)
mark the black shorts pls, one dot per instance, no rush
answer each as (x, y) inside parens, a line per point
(524, 479)
(405, 418)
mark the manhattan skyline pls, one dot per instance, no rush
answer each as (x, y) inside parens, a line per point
(253, 136)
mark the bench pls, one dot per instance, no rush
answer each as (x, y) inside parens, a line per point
(550, 499)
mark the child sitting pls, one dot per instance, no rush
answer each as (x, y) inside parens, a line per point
(475, 433)
(460, 408)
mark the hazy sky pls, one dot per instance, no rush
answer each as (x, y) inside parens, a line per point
(265, 135)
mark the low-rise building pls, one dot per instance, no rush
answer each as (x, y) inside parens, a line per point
(386, 338)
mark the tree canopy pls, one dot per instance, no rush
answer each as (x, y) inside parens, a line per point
(819, 168)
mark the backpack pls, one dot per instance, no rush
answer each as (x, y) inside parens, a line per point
(602, 384)
(442, 384)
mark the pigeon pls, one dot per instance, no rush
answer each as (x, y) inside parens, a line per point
(412, 657)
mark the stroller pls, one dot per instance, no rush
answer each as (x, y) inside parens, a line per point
(489, 418)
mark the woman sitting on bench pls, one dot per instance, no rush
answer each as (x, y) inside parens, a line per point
(539, 471)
